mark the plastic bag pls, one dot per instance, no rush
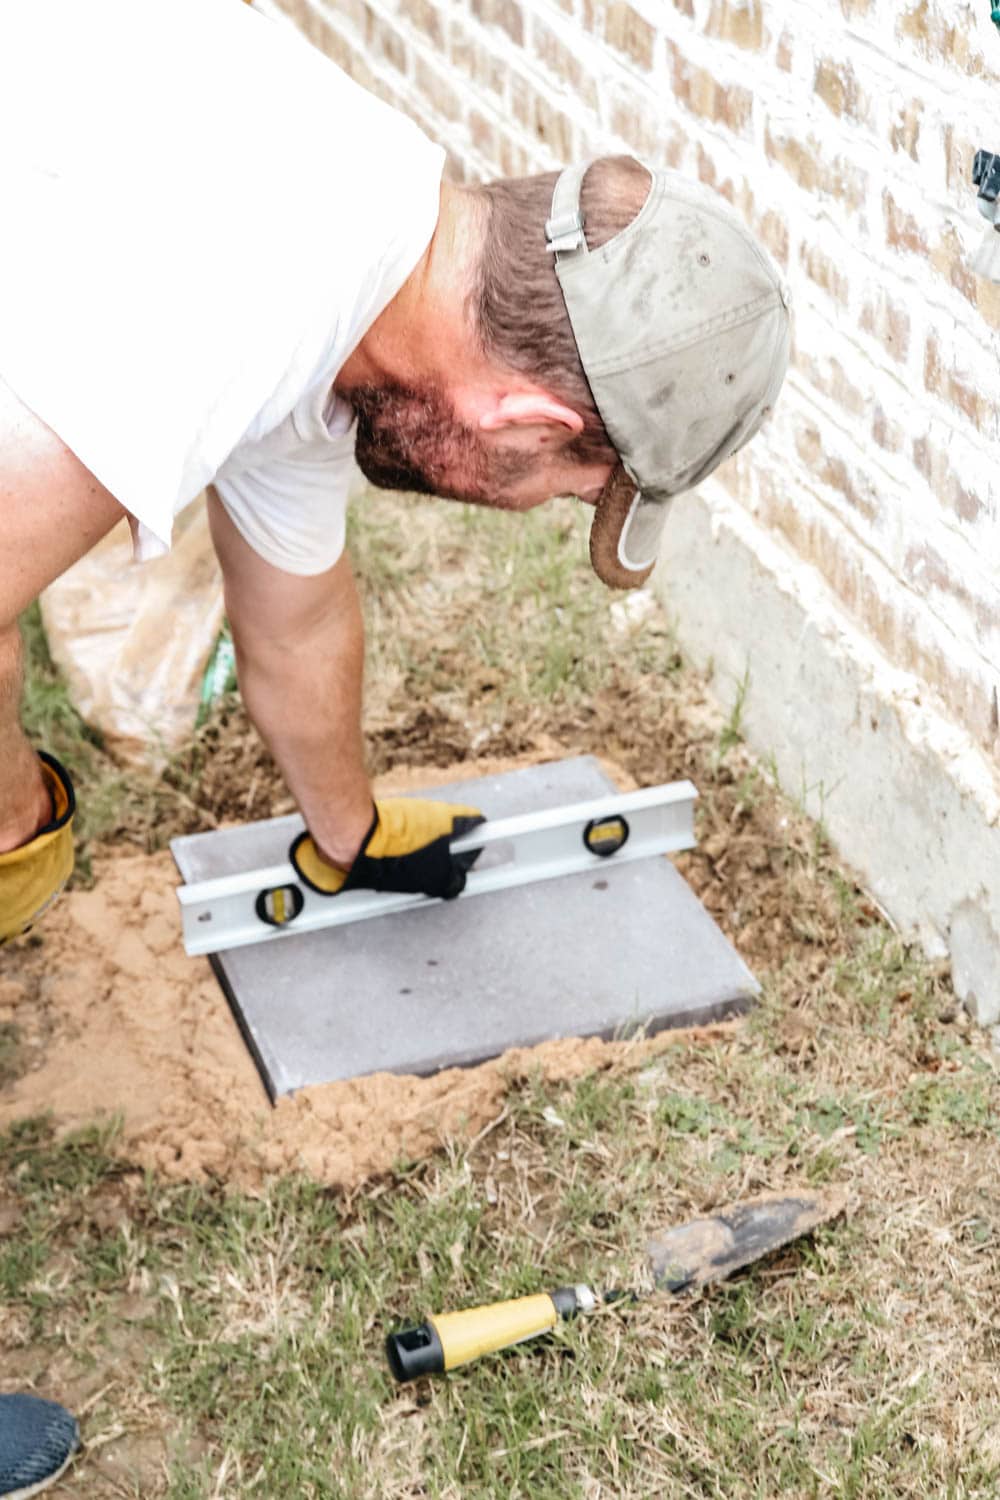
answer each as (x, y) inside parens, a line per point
(133, 639)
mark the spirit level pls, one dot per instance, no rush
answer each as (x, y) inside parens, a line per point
(265, 905)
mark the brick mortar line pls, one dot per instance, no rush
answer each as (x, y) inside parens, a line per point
(404, 84)
(777, 558)
(845, 48)
(529, 68)
(833, 415)
(904, 479)
(817, 502)
(706, 51)
(907, 481)
(936, 407)
(532, 75)
(928, 629)
(783, 453)
(805, 21)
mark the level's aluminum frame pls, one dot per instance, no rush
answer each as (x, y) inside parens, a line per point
(221, 914)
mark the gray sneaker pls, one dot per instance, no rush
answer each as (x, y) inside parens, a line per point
(37, 1441)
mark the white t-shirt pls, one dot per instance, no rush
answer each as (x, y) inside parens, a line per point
(200, 216)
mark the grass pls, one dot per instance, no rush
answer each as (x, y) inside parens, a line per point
(10, 1040)
(541, 641)
(732, 730)
(255, 1322)
(223, 1342)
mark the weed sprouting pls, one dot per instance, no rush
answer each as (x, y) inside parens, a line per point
(731, 733)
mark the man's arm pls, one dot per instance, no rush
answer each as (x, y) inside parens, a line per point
(300, 655)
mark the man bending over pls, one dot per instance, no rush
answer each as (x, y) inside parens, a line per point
(225, 265)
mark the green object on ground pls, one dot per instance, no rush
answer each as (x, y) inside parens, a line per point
(220, 675)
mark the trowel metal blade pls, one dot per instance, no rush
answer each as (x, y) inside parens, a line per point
(709, 1249)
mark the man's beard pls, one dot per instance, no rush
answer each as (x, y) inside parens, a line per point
(410, 439)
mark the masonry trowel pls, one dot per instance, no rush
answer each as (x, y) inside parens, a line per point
(678, 1260)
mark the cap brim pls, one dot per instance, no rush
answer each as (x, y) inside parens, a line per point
(625, 533)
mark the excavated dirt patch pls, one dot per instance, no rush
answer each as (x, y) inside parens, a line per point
(103, 1013)
(115, 1020)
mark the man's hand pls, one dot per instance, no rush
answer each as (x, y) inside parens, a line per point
(32, 876)
(407, 848)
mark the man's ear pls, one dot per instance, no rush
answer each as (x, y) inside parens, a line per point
(534, 408)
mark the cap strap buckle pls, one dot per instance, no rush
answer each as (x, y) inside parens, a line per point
(565, 233)
(564, 226)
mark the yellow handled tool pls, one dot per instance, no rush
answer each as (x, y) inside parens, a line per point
(681, 1259)
(451, 1339)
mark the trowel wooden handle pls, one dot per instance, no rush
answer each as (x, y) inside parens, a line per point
(451, 1339)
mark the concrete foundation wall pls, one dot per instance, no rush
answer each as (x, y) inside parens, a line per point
(905, 794)
(844, 134)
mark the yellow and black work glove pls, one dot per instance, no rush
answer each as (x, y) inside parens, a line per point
(32, 876)
(407, 848)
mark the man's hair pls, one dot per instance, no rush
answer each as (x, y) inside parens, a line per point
(520, 314)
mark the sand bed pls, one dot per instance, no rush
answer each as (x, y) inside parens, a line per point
(116, 1021)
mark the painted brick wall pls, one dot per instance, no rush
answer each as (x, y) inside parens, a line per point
(844, 132)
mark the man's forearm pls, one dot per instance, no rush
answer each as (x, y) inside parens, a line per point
(25, 805)
(304, 696)
(300, 654)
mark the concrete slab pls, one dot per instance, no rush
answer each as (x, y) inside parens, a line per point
(453, 985)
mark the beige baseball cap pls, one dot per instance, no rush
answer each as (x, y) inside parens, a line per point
(683, 327)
